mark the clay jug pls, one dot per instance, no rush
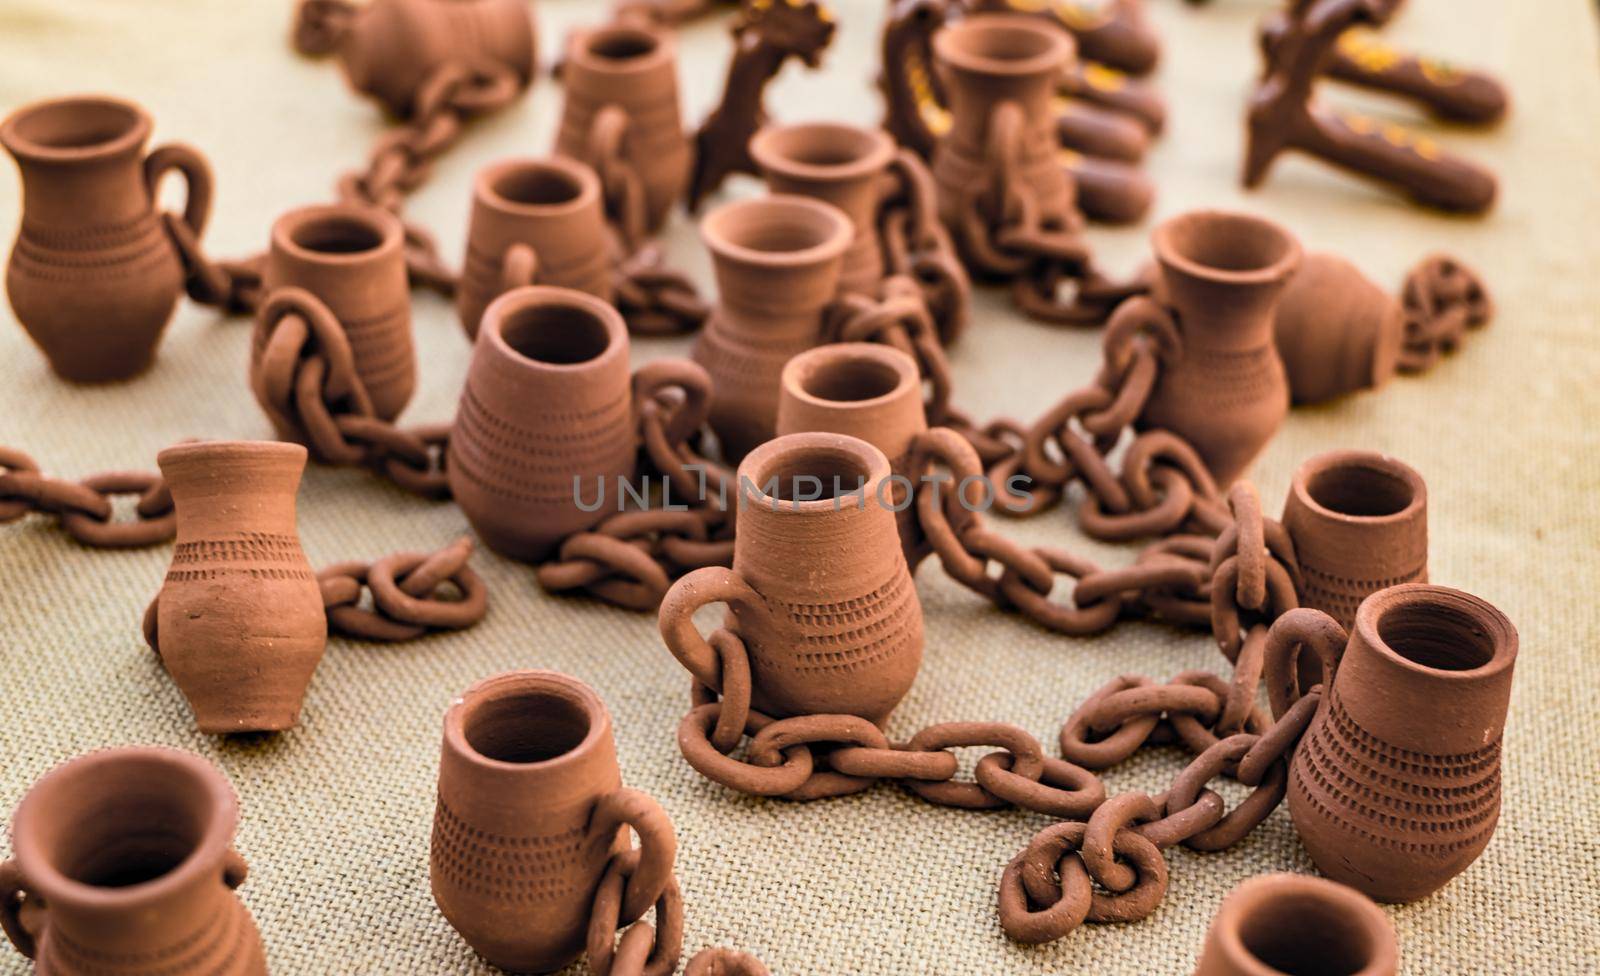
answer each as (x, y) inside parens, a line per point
(1298, 925)
(239, 619)
(545, 420)
(124, 865)
(530, 809)
(632, 69)
(94, 273)
(533, 220)
(777, 263)
(1395, 788)
(351, 258)
(844, 165)
(1336, 331)
(819, 589)
(1359, 521)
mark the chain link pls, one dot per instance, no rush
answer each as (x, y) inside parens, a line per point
(84, 507)
(916, 245)
(1442, 299)
(405, 588)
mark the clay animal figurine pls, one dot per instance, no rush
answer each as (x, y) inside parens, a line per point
(531, 808)
(124, 865)
(1292, 923)
(95, 273)
(1336, 331)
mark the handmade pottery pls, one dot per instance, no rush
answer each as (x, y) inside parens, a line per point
(777, 262)
(1395, 788)
(530, 809)
(546, 416)
(239, 619)
(94, 273)
(352, 259)
(533, 220)
(124, 865)
(1110, 191)
(1336, 331)
(1113, 32)
(1359, 521)
(819, 589)
(1292, 923)
(843, 165)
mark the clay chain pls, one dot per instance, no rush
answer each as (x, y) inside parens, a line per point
(84, 506)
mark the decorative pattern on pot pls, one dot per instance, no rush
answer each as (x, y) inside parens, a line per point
(1292, 923)
(1336, 331)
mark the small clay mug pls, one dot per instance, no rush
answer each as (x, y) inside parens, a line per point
(533, 220)
(1336, 331)
(124, 864)
(531, 808)
(1278, 924)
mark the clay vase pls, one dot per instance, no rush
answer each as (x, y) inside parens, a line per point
(629, 67)
(1220, 275)
(1336, 331)
(1359, 521)
(840, 164)
(533, 220)
(239, 620)
(530, 809)
(94, 273)
(819, 589)
(777, 262)
(546, 414)
(352, 259)
(1293, 924)
(124, 865)
(1395, 788)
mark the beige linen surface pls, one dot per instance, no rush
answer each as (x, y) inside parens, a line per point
(336, 813)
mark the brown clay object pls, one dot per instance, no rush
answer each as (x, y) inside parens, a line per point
(1275, 924)
(819, 591)
(94, 274)
(1336, 331)
(124, 865)
(546, 412)
(1109, 191)
(1101, 132)
(533, 220)
(1109, 88)
(530, 810)
(1114, 32)
(777, 261)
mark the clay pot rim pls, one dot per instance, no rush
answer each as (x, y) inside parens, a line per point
(544, 296)
(578, 51)
(225, 450)
(584, 176)
(1498, 628)
(811, 360)
(764, 149)
(946, 49)
(1168, 254)
(873, 460)
(391, 236)
(519, 682)
(716, 240)
(1328, 460)
(1252, 893)
(26, 148)
(215, 838)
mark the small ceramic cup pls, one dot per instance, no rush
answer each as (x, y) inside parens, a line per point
(1295, 925)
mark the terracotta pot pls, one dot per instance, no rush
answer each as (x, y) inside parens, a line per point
(633, 67)
(819, 589)
(533, 220)
(840, 164)
(1395, 788)
(352, 258)
(1359, 521)
(531, 807)
(94, 274)
(124, 864)
(1336, 331)
(1290, 923)
(546, 413)
(394, 47)
(777, 262)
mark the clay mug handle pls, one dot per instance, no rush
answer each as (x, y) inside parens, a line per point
(196, 173)
(1301, 627)
(12, 891)
(1142, 315)
(658, 845)
(234, 868)
(519, 267)
(710, 584)
(686, 376)
(619, 182)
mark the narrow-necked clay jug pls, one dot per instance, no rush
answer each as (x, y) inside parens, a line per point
(533, 220)
(124, 865)
(94, 273)
(1359, 521)
(844, 165)
(545, 420)
(239, 621)
(1336, 331)
(531, 808)
(777, 263)
(819, 589)
(1276, 924)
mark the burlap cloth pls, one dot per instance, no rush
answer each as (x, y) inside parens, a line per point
(336, 812)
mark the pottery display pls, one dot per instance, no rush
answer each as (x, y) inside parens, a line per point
(124, 864)
(1292, 923)
(94, 273)
(1336, 331)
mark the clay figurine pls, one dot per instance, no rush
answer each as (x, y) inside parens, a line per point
(1336, 331)
(1292, 923)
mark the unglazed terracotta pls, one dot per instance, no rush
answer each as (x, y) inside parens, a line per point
(1114, 32)
(94, 274)
(530, 809)
(124, 865)
(239, 618)
(1359, 521)
(819, 589)
(777, 261)
(843, 165)
(1109, 191)
(533, 220)
(1336, 331)
(1395, 788)
(546, 413)
(1277, 924)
